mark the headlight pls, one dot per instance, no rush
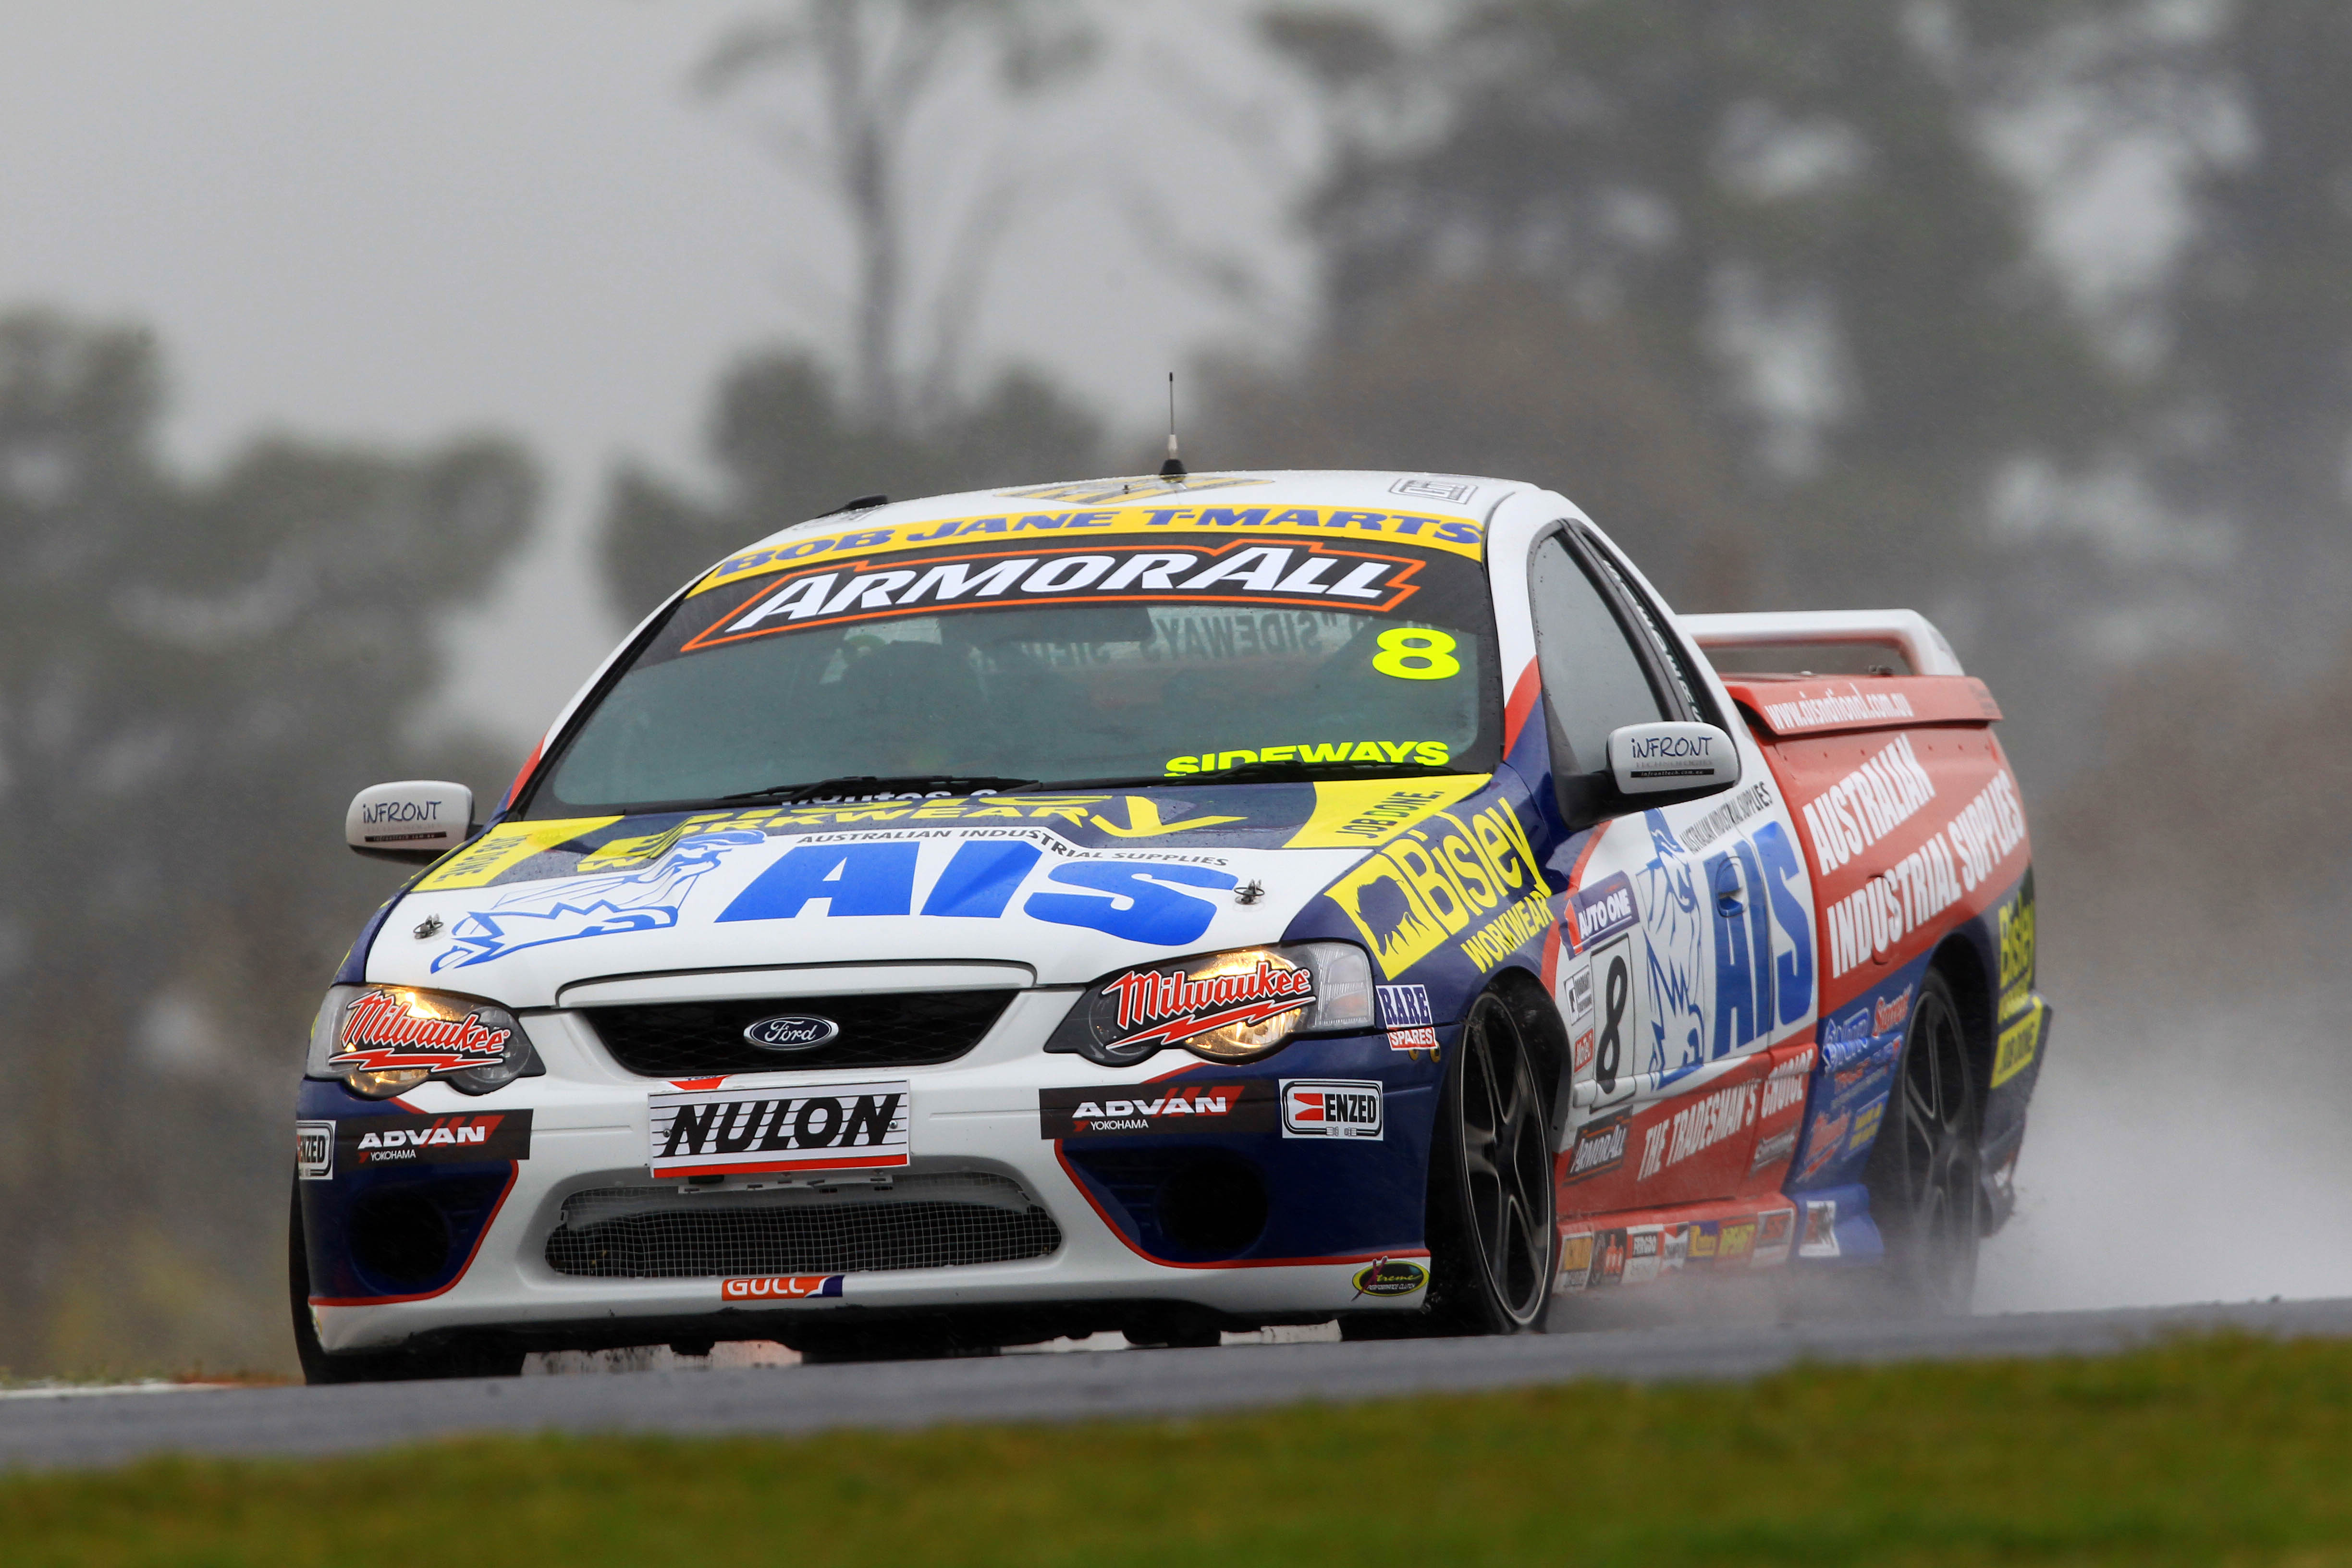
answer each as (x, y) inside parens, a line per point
(382, 1039)
(1228, 1006)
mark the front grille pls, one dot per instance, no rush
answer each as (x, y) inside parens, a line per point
(947, 1220)
(696, 1039)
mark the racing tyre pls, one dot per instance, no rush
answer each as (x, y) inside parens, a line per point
(456, 1358)
(1492, 1237)
(1925, 1170)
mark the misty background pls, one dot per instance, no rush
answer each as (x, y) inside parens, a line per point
(365, 373)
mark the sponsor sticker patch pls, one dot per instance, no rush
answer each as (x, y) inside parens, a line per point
(1576, 1262)
(1122, 1110)
(428, 1140)
(1327, 1108)
(1391, 1277)
(1167, 1007)
(1601, 912)
(1405, 1009)
(1600, 1147)
(819, 1127)
(780, 1288)
(383, 1030)
(314, 1150)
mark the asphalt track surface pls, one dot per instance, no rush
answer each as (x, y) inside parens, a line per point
(79, 1431)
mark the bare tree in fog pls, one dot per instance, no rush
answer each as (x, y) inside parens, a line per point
(878, 67)
(787, 443)
(193, 679)
(1777, 211)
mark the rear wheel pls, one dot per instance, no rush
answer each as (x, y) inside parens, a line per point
(1924, 1171)
(1492, 1237)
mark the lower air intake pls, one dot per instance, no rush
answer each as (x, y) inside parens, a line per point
(947, 1220)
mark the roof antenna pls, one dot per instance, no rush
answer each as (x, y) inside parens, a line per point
(1173, 468)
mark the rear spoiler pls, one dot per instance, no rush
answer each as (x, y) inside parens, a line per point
(1906, 632)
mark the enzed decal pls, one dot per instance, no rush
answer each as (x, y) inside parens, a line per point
(535, 915)
(815, 1126)
(1128, 1109)
(780, 1288)
(1440, 880)
(1405, 1014)
(1326, 1107)
(428, 1140)
(1167, 1007)
(1600, 1147)
(1391, 1277)
(314, 1150)
(384, 1030)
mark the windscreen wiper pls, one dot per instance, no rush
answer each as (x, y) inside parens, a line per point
(870, 786)
(1261, 773)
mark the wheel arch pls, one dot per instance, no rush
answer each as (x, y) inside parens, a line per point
(1962, 966)
(1545, 1033)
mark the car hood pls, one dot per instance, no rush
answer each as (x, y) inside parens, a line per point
(1072, 886)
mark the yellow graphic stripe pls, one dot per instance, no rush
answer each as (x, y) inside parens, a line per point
(1367, 812)
(1194, 525)
(2020, 1043)
(504, 847)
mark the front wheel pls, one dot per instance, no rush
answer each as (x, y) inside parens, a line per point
(1925, 1170)
(1492, 1236)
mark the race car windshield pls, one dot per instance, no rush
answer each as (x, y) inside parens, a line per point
(949, 670)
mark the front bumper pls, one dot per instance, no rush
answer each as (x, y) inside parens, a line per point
(443, 1244)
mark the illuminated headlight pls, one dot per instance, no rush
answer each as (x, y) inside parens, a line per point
(382, 1039)
(1228, 1006)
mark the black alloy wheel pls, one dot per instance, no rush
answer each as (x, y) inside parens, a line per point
(1492, 1236)
(1926, 1168)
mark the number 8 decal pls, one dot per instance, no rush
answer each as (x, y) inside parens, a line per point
(1610, 1051)
(1415, 654)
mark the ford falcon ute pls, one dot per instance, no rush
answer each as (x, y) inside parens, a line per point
(1173, 906)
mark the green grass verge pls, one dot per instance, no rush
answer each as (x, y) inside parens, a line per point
(2209, 1450)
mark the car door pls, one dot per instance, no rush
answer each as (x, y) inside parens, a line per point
(1687, 942)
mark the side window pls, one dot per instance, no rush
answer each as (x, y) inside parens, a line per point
(1592, 678)
(1668, 652)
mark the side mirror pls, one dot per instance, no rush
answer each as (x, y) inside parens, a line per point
(417, 821)
(1680, 761)
(1649, 765)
